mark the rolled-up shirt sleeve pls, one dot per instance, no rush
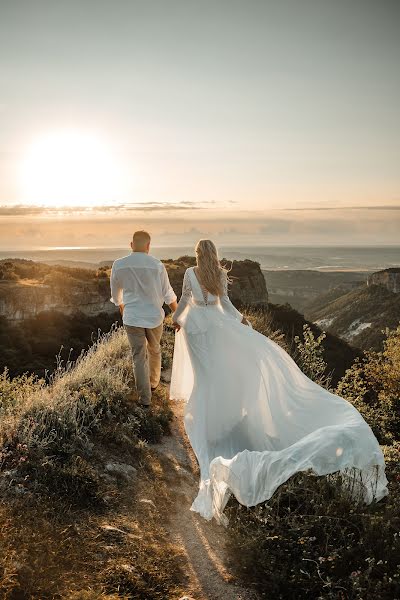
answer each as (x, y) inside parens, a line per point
(116, 288)
(167, 291)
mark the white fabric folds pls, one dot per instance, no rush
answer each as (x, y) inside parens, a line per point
(254, 418)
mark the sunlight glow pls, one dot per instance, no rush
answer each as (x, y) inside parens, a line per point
(71, 168)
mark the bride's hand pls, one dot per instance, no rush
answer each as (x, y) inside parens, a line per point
(176, 326)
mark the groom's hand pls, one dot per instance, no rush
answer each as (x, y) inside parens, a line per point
(176, 326)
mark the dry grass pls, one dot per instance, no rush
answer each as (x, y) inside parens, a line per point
(262, 320)
(69, 529)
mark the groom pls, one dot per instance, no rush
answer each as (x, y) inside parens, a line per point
(140, 286)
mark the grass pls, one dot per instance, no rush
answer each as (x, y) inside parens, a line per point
(68, 528)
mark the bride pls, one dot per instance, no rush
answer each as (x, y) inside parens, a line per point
(252, 416)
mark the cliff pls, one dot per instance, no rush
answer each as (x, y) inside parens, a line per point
(23, 299)
(28, 288)
(388, 278)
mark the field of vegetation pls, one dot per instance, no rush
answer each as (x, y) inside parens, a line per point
(82, 497)
(310, 540)
(83, 500)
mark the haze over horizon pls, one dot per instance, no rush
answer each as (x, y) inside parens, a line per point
(249, 122)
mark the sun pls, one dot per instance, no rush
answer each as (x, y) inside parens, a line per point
(70, 168)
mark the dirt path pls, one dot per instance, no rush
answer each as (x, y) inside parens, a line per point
(202, 542)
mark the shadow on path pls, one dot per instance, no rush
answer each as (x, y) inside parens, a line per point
(202, 542)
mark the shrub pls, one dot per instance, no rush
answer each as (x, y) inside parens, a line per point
(49, 426)
(311, 541)
(373, 386)
(310, 358)
(16, 391)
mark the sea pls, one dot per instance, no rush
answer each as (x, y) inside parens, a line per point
(320, 258)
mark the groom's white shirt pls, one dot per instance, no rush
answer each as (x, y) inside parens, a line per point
(140, 282)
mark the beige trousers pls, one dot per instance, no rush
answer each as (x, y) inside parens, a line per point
(146, 358)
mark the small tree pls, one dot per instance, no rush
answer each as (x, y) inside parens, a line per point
(309, 356)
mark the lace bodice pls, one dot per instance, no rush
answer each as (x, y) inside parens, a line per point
(192, 291)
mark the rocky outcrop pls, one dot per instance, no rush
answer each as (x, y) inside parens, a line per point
(21, 300)
(388, 278)
(248, 284)
(24, 298)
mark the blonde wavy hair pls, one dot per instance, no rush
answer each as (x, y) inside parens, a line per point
(209, 268)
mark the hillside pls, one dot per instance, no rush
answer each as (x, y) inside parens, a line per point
(95, 495)
(39, 344)
(301, 287)
(358, 316)
(91, 490)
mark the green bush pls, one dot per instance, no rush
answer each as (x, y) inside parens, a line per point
(311, 540)
(310, 356)
(372, 384)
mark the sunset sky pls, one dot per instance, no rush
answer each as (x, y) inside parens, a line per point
(252, 121)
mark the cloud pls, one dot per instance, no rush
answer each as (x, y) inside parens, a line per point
(18, 209)
(30, 227)
(374, 207)
(26, 209)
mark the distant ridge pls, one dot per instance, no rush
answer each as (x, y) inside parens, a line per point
(358, 316)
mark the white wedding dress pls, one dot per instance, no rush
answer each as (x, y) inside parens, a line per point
(252, 416)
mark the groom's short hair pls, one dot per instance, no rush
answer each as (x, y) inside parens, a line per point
(141, 238)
